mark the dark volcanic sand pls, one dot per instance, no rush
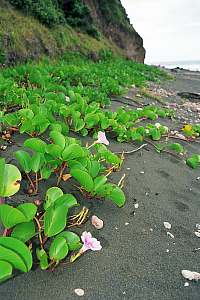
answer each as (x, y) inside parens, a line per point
(138, 260)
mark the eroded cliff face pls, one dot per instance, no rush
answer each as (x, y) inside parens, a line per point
(111, 19)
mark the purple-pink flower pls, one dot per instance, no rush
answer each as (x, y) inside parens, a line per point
(89, 243)
(102, 138)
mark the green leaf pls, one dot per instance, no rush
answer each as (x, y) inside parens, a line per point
(117, 196)
(24, 160)
(54, 150)
(24, 231)
(58, 139)
(26, 113)
(35, 144)
(45, 172)
(177, 147)
(67, 200)
(10, 216)
(78, 124)
(27, 126)
(58, 249)
(104, 190)
(36, 162)
(5, 270)
(150, 114)
(73, 240)
(16, 253)
(99, 181)
(83, 178)
(84, 132)
(52, 194)
(73, 151)
(155, 133)
(94, 168)
(10, 179)
(55, 220)
(28, 209)
(193, 161)
(91, 119)
(43, 258)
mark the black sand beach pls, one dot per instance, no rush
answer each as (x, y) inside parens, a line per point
(138, 259)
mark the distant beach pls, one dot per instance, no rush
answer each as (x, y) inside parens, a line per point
(188, 65)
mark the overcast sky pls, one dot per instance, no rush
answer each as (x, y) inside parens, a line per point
(170, 28)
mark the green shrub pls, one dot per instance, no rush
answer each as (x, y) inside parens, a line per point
(46, 11)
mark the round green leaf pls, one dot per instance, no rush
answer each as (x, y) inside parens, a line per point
(83, 178)
(72, 151)
(54, 150)
(58, 138)
(28, 209)
(117, 196)
(37, 161)
(73, 240)
(24, 231)
(10, 216)
(24, 159)
(52, 194)
(99, 181)
(43, 258)
(10, 179)
(58, 249)
(67, 200)
(55, 219)
(36, 144)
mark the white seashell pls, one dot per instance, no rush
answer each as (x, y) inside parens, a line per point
(170, 234)
(97, 223)
(79, 292)
(198, 226)
(186, 284)
(197, 233)
(167, 225)
(190, 275)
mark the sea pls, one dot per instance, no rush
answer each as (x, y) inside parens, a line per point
(188, 65)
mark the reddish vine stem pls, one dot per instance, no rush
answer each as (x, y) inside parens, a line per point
(61, 173)
(39, 232)
(31, 182)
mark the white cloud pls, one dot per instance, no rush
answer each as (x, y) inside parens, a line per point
(170, 28)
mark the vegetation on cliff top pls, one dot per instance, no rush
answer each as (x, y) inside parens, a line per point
(30, 29)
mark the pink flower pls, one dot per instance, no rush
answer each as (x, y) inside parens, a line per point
(89, 243)
(102, 138)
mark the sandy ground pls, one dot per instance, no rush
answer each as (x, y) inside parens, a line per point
(138, 259)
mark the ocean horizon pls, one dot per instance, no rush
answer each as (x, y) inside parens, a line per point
(188, 65)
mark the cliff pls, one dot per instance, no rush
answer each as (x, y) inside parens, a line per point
(111, 19)
(30, 29)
